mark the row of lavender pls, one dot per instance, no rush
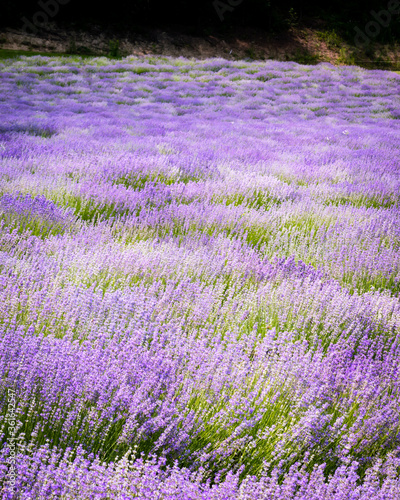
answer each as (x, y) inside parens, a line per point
(200, 277)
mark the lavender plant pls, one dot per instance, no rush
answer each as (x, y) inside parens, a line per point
(200, 280)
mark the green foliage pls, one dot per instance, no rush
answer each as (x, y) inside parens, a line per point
(139, 181)
(90, 210)
(330, 37)
(27, 225)
(363, 200)
(114, 49)
(256, 200)
(304, 56)
(346, 56)
(250, 53)
(292, 18)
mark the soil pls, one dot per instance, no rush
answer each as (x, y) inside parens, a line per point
(305, 44)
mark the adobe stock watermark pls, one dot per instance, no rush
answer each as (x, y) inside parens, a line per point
(373, 28)
(12, 442)
(41, 17)
(222, 7)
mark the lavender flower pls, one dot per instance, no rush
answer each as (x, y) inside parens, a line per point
(200, 277)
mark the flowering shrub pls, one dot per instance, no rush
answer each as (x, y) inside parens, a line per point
(200, 277)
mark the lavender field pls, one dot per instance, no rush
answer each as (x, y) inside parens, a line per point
(200, 280)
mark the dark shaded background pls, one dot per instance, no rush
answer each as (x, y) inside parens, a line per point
(199, 17)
